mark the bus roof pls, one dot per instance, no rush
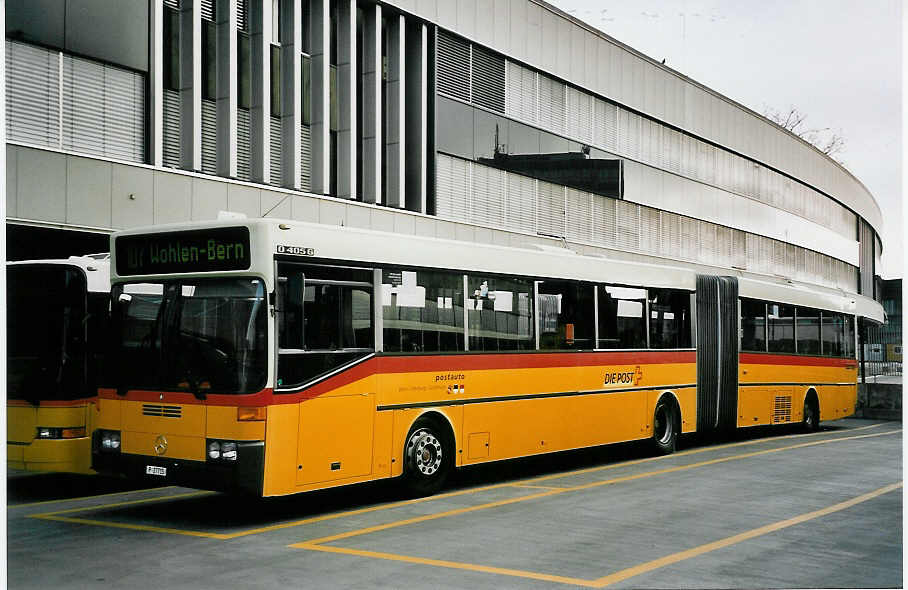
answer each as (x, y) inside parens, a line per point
(309, 241)
(95, 267)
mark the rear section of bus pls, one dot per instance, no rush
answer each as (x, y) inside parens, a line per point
(56, 331)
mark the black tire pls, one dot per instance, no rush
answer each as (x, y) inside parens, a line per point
(428, 457)
(665, 427)
(811, 420)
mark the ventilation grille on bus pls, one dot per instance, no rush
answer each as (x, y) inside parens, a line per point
(161, 411)
(782, 412)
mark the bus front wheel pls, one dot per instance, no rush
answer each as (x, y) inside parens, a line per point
(665, 427)
(428, 457)
(811, 421)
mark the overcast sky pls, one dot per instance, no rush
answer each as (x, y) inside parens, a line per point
(839, 62)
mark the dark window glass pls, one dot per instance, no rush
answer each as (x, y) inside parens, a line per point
(46, 345)
(500, 314)
(552, 144)
(622, 319)
(523, 139)
(275, 81)
(781, 327)
(335, 111)
(244, 71)
(306, 90)
(566, 315)
(304, 26)
(454, 129)
(669, 322)
(490, 136)
(422, 311)
(808, 331)
(753, 325)
(833, 334)
(209, 60)
(171, 49)
(197, 335)
(325, 320)
(849, 351)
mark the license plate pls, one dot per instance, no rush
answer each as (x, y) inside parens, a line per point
(155, 470)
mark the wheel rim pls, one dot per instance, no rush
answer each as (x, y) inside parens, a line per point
(808, 415)
(663, 428)
(424, 450)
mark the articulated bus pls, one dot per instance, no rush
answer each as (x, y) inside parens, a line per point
(57, 320)
(276, 357)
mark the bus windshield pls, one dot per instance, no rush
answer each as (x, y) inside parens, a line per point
(46, 312)
(197, 335)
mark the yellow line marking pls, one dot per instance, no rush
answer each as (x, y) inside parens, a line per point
(126, 503)
(135, 527)
(619, 575)
(698, 451)
(11, 506)
(520, 485)
(764, 530)
(450, 564)
(555, 491)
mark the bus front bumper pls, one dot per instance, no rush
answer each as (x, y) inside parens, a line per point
(244, 475)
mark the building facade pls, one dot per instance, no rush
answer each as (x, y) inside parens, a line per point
(496, 121)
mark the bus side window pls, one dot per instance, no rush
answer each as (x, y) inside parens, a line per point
(325, 321)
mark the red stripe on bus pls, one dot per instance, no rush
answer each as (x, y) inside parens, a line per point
(417, 364)
(789, 359)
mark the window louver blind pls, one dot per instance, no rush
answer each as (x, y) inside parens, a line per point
(32, 94)
(453, 189)
(579, 215)
(488, 80)
(551, 104)
(521, 203)
(603, 220)
(208, 9)
(628, 223)
(305, 158)
(550, 209)
(103, 110)
(488, 195)
(242, 15)
(275, 152)
(521, 93)
(209, 137)
(605, 132)
(670, 236)
(243, 153)
(175, 4)
(171, 128)
(579, 115)
(453, 66)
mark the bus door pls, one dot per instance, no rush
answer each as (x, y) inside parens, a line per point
(717, 353)
(325, 327)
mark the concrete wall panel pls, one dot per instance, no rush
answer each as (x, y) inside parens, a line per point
(502, 32)
(276, 205)
(550, 24)
(172, 197)
(208, 198)
(534, 34)
(12, 155)
(304, 209)
(484, 22)
(131, 196)
(244, 199)
(518, 22)
(41, 182)
(382, 220)
(466, 17)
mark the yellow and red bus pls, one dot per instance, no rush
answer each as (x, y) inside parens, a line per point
(276, 357)
(57, 316)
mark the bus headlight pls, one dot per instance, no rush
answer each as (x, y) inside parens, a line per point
(50, 433)
(222, 450)
(214, 450)
(110, 441)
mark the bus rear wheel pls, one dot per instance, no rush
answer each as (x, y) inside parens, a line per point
(428, 457)
(665, 427)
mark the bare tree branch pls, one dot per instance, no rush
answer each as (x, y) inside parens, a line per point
(825, 139)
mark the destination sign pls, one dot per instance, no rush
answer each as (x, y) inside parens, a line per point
(204, 250)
